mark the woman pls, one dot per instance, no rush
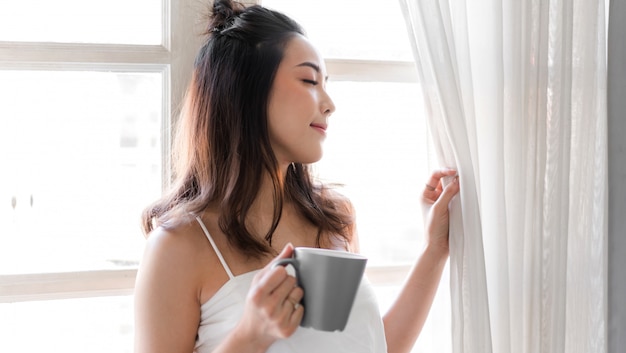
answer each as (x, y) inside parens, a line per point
(255, 117)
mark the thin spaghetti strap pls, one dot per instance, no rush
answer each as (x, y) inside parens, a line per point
(217, 251)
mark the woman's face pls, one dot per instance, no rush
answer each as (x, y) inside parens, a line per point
(299, 106)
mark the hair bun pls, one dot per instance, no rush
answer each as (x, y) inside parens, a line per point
(223, 14)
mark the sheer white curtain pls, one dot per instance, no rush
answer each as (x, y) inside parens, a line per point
(516, 97)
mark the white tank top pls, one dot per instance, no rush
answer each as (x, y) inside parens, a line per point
(364, 332)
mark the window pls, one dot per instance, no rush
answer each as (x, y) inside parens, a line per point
(112, 22)
(85, 138)
(81, 154)
(377, 146)
(88, 90)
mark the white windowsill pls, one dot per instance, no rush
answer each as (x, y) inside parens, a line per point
(44, 286)
(67, 285)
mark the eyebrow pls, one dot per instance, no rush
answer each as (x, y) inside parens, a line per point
(313, 66)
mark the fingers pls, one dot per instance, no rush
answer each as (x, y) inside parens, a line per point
(284, 288)
(452, 188)
(276, 283)
(275, 299)
(435, 207)
(434, 182)
(435, 185)
(273, 309)
(292, 309)
(447, 182)
(286, 253)
(286, 294)
(295, 296)
(271, 278)
(298, 311)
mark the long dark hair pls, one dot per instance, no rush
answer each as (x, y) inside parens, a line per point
(222, 145)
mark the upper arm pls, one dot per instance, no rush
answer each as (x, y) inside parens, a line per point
(167, 305)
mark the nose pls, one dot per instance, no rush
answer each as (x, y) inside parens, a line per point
(327, 104)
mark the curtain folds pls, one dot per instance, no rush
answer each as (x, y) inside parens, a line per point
(516, 100)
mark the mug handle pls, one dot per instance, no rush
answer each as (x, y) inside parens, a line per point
(289, 261)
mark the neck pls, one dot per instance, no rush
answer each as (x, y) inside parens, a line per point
(262, 210)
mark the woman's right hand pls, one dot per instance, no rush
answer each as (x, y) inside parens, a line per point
(272, 310)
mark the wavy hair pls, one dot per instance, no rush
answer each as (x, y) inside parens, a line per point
(222, 145)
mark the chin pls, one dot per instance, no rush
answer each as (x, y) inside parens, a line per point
(310, 159)
(307, 155)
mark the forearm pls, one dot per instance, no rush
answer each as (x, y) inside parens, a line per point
(406, 317)
(237, 342)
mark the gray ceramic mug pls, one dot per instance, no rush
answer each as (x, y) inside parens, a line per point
(330, 280)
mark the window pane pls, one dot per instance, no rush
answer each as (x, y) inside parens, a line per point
(81, 156)
(364, 30)
(378, 151)
(79, 21)
(91, 325)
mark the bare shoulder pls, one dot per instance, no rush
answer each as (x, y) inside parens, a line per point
(167, 290)
(171, 259)
(184, 258)
(178, 247)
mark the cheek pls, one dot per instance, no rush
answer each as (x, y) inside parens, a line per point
(278, 101)
(285, 111)
(278, 124)
(281, 126)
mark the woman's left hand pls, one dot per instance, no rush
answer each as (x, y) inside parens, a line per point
(435, 200)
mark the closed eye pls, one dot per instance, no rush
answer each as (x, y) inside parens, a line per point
(312, 82)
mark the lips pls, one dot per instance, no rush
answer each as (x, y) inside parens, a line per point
(319, 127)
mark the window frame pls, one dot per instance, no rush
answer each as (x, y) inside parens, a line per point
(173, 58)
